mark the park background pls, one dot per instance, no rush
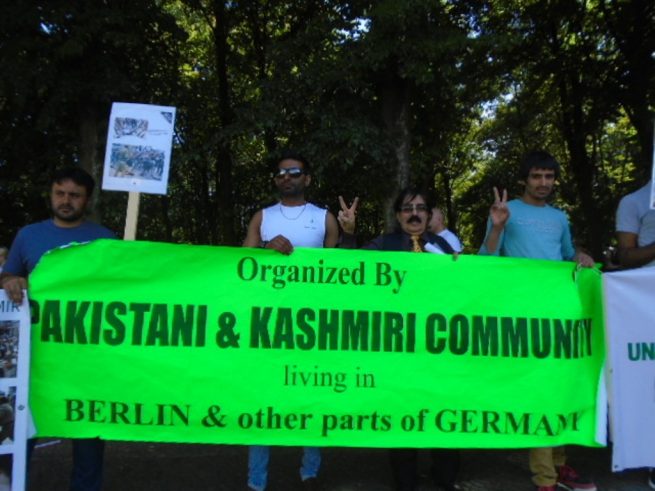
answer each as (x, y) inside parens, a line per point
(377, 94)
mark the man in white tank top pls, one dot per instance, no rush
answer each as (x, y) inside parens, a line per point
(292, 222)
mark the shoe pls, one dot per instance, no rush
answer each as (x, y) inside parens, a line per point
(651, 478)
(310, 484)
(571, 481)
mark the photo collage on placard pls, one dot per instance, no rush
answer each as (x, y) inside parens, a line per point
(9, 341)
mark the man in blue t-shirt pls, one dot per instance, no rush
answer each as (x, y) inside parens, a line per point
(70, 192)
(529, 227)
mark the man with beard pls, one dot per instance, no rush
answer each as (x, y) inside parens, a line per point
(292, 222)
(413, 207)
(529, 227)
(70, 192)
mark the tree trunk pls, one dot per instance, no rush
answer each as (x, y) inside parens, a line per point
(394, 94)
(88, 155)
(582, 167)
(224, 163)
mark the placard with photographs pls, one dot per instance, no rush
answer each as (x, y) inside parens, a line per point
(138, 153)
(652, 180)
(14, 384)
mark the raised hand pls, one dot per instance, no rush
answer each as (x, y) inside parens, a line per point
(347, 216)
(499, 213)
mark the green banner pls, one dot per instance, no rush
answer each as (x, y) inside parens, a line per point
(326, 347)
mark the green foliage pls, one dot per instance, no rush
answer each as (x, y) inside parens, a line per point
(448, 94)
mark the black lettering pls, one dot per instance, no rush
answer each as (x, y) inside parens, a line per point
(541, 340)
(75, 315)
(247, 269)
(259, 335)
(139, 310)
(354, 330)
(306, 340)
(96, 322)
(563, 338)
(515, 337)
(51, 328)
(283, 337)
(74, 410)
(158, 328)
(485, 336)
(328, 331)
(458, 340)
(435, 324)
(115, 335)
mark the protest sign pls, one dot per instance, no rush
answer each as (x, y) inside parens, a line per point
(14, 377)
(162, 342)
(138, 153)
(630, 321)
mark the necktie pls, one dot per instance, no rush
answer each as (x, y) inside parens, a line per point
(416, 244)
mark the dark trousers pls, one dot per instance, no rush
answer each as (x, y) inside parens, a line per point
(404, 465)
(88, 455)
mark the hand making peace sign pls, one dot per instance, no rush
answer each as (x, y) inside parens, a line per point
(347, 216)
(499, 213)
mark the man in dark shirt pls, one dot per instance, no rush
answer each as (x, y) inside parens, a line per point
(413, 208)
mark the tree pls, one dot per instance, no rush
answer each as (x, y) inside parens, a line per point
(64, 65)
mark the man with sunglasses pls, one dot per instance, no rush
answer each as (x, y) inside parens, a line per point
(413, 212)
(292, 222)
(413, 207)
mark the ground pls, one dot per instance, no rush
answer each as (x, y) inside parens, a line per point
(176, 467)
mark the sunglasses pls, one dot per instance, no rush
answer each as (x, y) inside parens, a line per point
(292, 172)
(411, 208)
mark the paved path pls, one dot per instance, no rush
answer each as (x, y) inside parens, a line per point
(173, 467)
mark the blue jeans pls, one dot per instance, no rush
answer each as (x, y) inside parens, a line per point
(88, 454)
(258, 457)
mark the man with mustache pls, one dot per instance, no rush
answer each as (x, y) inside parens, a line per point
(529, 227)
(413, 207)
(70, 192)
(413, 212)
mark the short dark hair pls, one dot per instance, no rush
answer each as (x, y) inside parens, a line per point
(291, 155)
(76, 174)
(410, 193)
(537, 159)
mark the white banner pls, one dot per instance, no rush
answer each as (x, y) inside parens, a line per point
(14, 378)
(630, 324)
